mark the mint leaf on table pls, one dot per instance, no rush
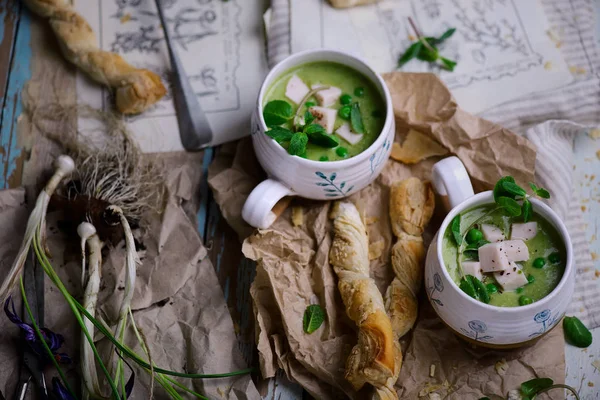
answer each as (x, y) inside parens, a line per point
(277, 112)
(425, 49)
(317, 135)
(356, 119)
(455, 228)
(280, 134)
(313, 318)
(447, 64)
(445, 35)
(298, 143)
(410, 53)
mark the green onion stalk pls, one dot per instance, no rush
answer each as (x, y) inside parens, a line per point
(85, 314)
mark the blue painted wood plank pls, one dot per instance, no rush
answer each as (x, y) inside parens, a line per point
(205, 194)
(20, 73)
(9, 16)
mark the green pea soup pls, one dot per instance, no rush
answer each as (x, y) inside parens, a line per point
(547, 245)
(352, 83)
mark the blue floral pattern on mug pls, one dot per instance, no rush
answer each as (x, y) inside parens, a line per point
(477, 330)
(547, 321)
(379, 156)
(331, 187)
(438, 286)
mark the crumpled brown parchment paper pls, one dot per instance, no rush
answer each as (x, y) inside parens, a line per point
(178, 302)
(293, 269)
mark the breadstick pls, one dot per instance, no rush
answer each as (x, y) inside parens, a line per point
(411, 207)
(135, 89)
(373, 358)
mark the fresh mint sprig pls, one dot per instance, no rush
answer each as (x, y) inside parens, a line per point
(514, 199)
(530, 389)
(425, 49)
(313, 318)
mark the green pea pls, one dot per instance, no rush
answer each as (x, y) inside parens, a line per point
(341, 151)
(346, 99)
(530, 278)
(576, 332)
(491, 288)
(359, 92)
(344, 112)
(519, 290)
(310, 104)
(474, 236)
(554, 258)
(524, 300)
(324, 158)
(539, 262)
(377, 114)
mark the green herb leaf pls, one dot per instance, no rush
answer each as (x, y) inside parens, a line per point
(317, 135)
(280, 134)
(471, 255)
(533, 386)
(526, 210)
(356, 119)
(455, 228)
(476, 245)
(576, 332)
(510, 205)
(445, 35)
(533, 187)
(513, 189)
(308, 118)
(410, 53)
(298, 143)
(448, 64)
(313, 318)
(543, 193)
(429, 55)
(499, 190)
(277, 112)
(474, 288)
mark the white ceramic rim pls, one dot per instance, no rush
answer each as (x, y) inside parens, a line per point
(380, 83)
(554, 220)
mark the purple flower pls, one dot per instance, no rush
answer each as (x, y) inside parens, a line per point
(53, 340)
(59, 391)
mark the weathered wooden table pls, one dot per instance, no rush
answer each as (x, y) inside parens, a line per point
(236, 273)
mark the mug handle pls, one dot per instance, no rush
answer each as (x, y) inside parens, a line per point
(257, 210)
(450, 178)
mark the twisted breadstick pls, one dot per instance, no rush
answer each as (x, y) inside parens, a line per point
(136, 89)
(373, 359)
(411, 207)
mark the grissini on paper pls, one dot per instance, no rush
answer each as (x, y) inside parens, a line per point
(373, 358)
(135, 89)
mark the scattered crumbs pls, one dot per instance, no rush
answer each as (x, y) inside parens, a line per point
(548, 65)
(594, 133)
(371, 220)
(429, 388)
(220, 391)
(514, 394)
(592, 177)
(376, 249)
(436, 396)
(586, 269)
(597, 274)
(591, 384)
(596, 364)
(125, 18)
(411, 38)
(297, 216)
(598, 154)
(594, 255)
(581, 309)
(557, 42)
(501, 367)
(577, 70)
(583, 208)
(432, 370)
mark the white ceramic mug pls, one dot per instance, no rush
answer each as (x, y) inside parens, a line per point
(477, 322)
(295, 176)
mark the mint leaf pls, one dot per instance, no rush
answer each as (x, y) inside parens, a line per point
(513, 189)
(455, 228)
(474, 288)
(410, 53)
(356, 119)
(533, 187)
(466, 285)
(499, 190)
(543, 193)
(448, 64)
(298, 143)
(510, 205)
(526, 210)
(477, 245)
(313, 318)
(277, 112)
(445, 36)
(317, 135)
(308, 118)
(429, 55)
(280, 134)
(533, 386)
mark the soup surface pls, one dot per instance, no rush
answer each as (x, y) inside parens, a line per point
(351, 83)
(545, 247)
